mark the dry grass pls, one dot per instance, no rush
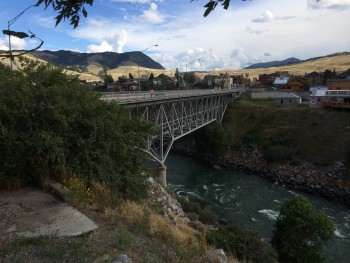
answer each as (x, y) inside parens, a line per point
(339, 63)
(142, 218)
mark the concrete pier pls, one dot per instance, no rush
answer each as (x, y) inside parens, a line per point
(161, 175)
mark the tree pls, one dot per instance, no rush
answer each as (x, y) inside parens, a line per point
(49, 123)
(300, 232)
(151, 77)
(108, 79)
(212, 139)
(71, 10)
(131, 76)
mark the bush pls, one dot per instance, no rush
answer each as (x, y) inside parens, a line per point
(279, 153)
(212, 139)
(243, 244)
(301, 231)
(49, 123)
(194, 211)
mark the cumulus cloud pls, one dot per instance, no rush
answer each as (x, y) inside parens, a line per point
(264, 17)
(114, 42)
(16, 43)
(329, 4)
(256, 31)
(131, 1)
(152, 15)
(103, 47)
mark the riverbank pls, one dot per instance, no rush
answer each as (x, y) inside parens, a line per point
(326, 182)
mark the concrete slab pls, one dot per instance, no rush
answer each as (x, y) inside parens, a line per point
(31, 212)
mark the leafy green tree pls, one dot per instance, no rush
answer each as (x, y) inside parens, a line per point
(244, 244)
(300, 232)
(131, 76)
(108, 79)
(212, 139)
(50, 123)
(151, 77)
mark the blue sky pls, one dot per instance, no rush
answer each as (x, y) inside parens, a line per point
(248, 32)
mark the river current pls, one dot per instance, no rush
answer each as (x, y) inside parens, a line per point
(251, 201)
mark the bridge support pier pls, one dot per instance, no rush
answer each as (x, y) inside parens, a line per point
(161, 175)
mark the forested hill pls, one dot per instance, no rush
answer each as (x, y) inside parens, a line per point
(111, 60)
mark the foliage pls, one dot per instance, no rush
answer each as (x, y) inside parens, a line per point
(108, 79)
(279, 153)
(151, 77)
(189, 78)
(205, 215)
(79, 193)
(300, 232)
(244, 244)
(70, 10)
(49, 122)
(212, 139)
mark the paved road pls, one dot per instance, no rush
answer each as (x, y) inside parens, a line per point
(135, 96)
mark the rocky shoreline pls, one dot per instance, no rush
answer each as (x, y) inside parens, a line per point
(325, 182)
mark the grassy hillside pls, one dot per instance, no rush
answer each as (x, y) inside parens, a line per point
(319, 136)
(339, 63)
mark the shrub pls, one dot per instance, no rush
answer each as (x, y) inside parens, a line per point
(49, 120)
(301, 231)
(243, 244)
(212, 139)
(279, 153)
(195, 211)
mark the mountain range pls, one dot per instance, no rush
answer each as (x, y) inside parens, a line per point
(111, 60)
(290, 61)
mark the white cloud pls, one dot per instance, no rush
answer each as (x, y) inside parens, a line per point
(264, 17)
(118, 41)
(103, 47)
(256, 31)
(16, 43)
(329, 4)
(267, 54)
(132, 1)
(152, 15)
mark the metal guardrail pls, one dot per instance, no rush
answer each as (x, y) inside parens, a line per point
(135, 96)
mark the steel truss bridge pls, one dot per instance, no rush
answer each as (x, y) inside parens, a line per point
(175, 113)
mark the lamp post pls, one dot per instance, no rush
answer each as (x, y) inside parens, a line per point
(10, 23)
(190, 64)
(138, 66)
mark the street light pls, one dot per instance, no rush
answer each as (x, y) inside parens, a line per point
(138, 65)
(10, 23)
(190, 64)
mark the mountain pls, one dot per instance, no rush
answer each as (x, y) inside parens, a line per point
(111, 60)
(277, 63)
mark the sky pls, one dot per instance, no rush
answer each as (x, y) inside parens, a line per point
(248, 32)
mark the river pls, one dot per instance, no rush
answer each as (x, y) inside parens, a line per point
(251, 201)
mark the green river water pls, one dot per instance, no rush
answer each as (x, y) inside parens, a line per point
(250, 200)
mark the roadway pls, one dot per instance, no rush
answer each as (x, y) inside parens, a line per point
(144, 96)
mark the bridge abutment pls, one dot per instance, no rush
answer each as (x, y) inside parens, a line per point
(161, 175)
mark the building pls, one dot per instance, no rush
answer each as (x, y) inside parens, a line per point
(314, 78)
(297, 84)
(338, 84)
(280, 82)
(287, 99)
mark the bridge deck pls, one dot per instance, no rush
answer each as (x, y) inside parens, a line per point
(132, 97)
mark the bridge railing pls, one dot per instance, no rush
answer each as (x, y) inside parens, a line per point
(130, 96)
